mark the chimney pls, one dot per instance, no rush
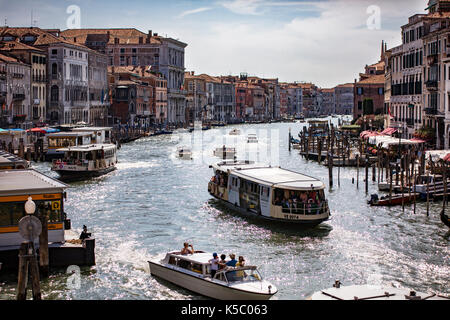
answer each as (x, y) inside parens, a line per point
(149, 36)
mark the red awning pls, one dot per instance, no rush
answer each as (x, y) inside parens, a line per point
(389, 131)
(41, 130)
(418, 140)
(447, 157)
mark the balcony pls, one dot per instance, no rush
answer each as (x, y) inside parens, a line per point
(431, 85)
(18, 96)
(431, 111)
(432, 58)
(42, 79)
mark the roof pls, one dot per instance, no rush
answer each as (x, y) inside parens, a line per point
(16, 45)
(7, 58)
(274, 176)
(198, 257)
(88, 148)
(28, 181)
(124, 35)
(8, 160)
(42, 37)
(82, 129)
(69, 134)
(373, 79)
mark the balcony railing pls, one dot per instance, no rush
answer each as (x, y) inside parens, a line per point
(431, 111)
(431, 84)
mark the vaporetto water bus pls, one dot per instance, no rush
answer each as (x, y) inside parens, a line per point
(271, 193)
(192, 272)
(86, 161)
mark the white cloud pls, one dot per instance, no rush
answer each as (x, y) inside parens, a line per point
(189, 12)
(329, 48)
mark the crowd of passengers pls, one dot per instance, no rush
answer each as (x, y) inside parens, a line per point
(301, 200)
(221, 263)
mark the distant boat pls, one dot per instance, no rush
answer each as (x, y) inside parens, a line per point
(368, 292)
(393, 200)
(184, 153)
(252, 138)
(445, 219)
(235, 132)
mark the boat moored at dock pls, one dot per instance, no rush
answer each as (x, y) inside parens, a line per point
(270, 193)
(192, 272)
(86, 161)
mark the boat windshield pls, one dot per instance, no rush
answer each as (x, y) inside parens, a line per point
(245, 274)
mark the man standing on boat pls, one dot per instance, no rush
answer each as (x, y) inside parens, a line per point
(214, 265)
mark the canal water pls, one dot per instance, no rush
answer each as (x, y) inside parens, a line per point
(154, 202)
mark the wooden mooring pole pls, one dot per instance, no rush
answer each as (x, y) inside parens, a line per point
(28, 266)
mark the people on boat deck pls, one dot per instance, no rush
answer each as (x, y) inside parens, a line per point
(240, 263)
(214, 264)
(232, 262)
(186, 249)
(222, 262)
(301, 200)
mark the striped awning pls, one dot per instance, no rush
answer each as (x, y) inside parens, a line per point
(389, 131)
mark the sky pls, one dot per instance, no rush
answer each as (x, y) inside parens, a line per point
(327, 42)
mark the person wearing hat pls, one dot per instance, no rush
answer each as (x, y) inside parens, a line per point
(214, 264)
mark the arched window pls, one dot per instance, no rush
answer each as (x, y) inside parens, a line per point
(54, 94)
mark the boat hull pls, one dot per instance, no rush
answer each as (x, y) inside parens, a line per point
(309, 222)
(205, 287)
(69, 176)
(395, 200)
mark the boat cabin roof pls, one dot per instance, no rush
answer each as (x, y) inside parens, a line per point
(69, 134)
(83, 129)
(200, 257)
(274, 176)
(28, 181)
(88, 148)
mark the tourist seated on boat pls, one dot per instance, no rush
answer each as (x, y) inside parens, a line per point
(214, 264)
(186, 249)
(240, 263)
(277, 201)
(232, 263)
(222, 262)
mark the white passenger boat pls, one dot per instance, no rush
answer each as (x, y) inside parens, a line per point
(252, 138)
(224, 152)
(192, 272)
(86, 161)
(235, 132)
(270, 193)
(370, 292)
(184, 153)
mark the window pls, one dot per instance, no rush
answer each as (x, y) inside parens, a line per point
(54, 51)
(359, 91)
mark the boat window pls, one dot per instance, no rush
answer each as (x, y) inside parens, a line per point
(247, 275)
(184, 264)
(300, 202)
(196, 267)
(173, 261)
(12, 212)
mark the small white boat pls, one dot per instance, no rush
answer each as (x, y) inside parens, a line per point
(235, 132)
(224, 152)
(369, 292)
(184, 153)
(192, 272)
(251, 138)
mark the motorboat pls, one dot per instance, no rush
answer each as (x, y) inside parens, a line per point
(393, 200)
(225, 152)
(86, 161)
(372, 292)
(235, 132)
(184, 153)
(252, 138)
(270, 193)
(192, 272)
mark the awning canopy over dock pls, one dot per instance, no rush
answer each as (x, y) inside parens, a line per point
(29, 181)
